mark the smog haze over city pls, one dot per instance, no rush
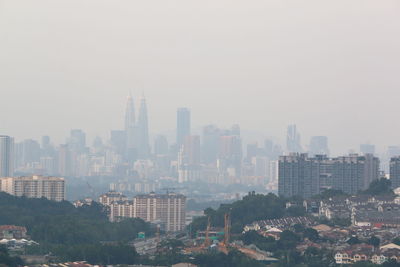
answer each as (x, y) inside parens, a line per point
(211, 133)
(329, 67)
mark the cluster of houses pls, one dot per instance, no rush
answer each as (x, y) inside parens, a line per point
(368, 216)
(365, 252)
(14, 237)
(278, 224)
(363, 210)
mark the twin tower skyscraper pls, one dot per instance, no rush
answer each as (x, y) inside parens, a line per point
(136, 130)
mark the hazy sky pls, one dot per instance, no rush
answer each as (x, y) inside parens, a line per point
(331, 67)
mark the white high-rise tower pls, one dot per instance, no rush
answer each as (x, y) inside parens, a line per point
(6, 156)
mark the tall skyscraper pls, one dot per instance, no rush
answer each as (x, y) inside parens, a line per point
(118, 141)
(367, 149)
(130, 130)
(230, 154)
(77, 141)
(209, 148)
(161, 145)
(252, 151)
(319, 145)
(182, 125)
(143, 147)
(30, 152)
(64, 161)
(189, 159)
(191, 149)
(293, 139)
(6, 156)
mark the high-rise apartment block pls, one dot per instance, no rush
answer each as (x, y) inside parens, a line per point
(302, 176)
(110, 197)
(52, 188)
(6, 156)
(167, 210)
(395, 171)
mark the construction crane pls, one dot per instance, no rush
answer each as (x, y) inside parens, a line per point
(223, 246)
(158, 234)
(207, 240)
(227, 228)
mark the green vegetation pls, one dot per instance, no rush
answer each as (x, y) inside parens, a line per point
(252, 207)
(233, 259)
(72, 233)
(390, 263)
(7, 260)
(374, 241)
(284, 248)
(379, 187)
(329, 193)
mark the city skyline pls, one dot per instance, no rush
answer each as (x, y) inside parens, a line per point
(135, 119)
(276, 68)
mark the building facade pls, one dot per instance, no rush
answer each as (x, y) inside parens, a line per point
(302, 176)
(182, 125)
(52, 188)
(6, 156)
(168, 210)
(395, 171)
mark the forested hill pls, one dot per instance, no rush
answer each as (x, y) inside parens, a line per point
(67, 231)
(251, 208)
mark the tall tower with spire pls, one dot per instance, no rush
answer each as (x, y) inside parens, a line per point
(130, 128)
(143, 147)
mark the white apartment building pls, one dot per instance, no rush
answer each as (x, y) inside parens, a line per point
(52, 188)
(166, 209)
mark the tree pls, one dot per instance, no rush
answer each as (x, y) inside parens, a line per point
(311, 234)
(288, 240)
(73, 233)
(329, 193)
(391, 263)
(7, 260)
(396, 241)
(253, 207)
(298, 228)
(353, 240)
(374, 241)
(379, 187)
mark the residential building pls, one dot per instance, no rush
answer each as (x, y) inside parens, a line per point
(6, 156)
(52, 188)
(12, 232)
(302, 176)
(395, 171)
(110, 197)
(167, 210)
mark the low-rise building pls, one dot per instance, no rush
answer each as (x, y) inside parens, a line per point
(12, 232)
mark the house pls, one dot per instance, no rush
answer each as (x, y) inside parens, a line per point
(12, 232)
